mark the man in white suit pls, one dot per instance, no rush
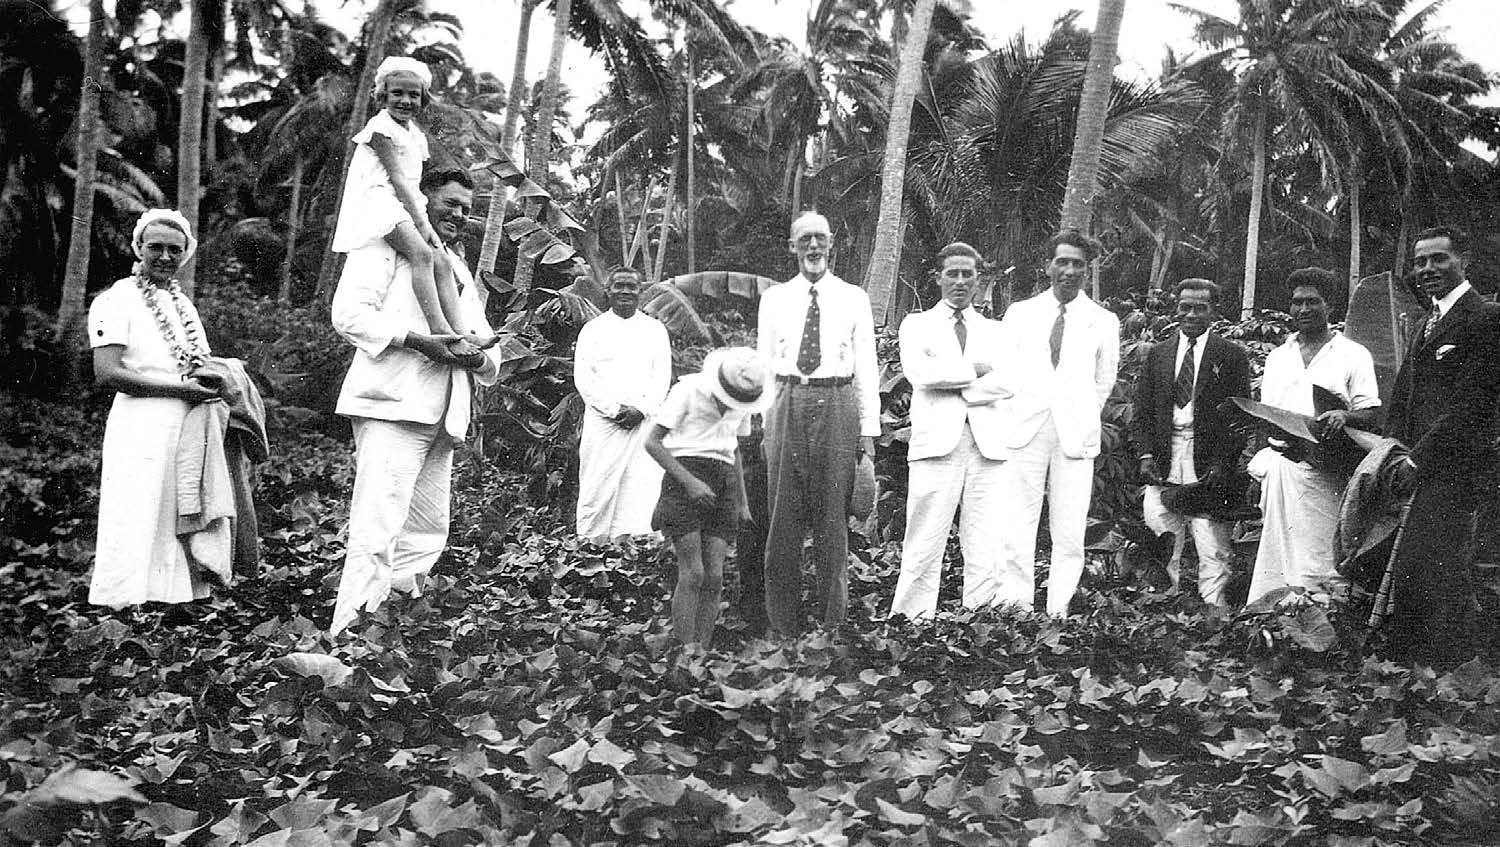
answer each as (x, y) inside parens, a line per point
(408, 398)
(1061, 351)
(949, 354)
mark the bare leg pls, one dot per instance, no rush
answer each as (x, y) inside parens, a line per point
(447, 292)
(714, 551)
(405, 240)
(688, 595)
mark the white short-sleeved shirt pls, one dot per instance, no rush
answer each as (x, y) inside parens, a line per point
(1343, 367)
(694, 424)
(119, 315)
(370, 208)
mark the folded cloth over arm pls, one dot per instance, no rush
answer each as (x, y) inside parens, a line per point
(216, 506)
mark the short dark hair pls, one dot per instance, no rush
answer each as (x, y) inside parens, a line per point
(1194, 283)
(441, 176)
(1325, 281)
(1456, 237)
(622, 269)
(958, 248)
(1074, 238)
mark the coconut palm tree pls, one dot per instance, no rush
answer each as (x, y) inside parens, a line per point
(1083, 173)
(885, 259)
(989, 160)
(75, 277)
(1300, 74)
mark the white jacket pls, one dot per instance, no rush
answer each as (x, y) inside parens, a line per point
(930, 355)
(374, 307)
(1074, 392)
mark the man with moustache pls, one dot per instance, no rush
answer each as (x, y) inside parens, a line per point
(408, 399)
(1443, 409)
(816, 333)
(949, 354)
(1299, 502)
(1183, 438)
(622, 367)
(1061, 352)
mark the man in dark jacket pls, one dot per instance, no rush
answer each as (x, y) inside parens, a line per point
(1443, 408)
(1183, 437)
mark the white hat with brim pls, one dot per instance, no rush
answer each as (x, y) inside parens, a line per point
(738, 378)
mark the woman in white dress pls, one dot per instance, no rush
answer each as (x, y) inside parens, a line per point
(147, 341)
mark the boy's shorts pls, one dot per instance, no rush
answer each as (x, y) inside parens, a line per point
(676, 515)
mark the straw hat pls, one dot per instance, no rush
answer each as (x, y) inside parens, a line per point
(737, 376)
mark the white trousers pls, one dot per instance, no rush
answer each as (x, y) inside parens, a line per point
(1211, 538)
(398, 517)
(618, 482)
(1042, 467)
(935, 489)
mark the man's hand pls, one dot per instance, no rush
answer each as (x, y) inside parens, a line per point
(1330, 423)
(629, 417)
(699, 494)
(1148, 471)
(981, 369)
(434, 347)
(866, 446)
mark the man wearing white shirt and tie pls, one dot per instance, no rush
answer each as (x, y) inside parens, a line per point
(949, 354)
(817, 334)
(1061, 351)
(408, 399)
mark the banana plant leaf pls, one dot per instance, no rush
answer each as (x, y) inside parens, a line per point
(1382, 315)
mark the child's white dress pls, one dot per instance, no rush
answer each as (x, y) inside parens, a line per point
(371, 209)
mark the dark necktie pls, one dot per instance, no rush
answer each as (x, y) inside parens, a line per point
(1182, 393)
(810, 354)
(1057, 334)
(959, 329)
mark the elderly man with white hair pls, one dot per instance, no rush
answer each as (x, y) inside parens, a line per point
(817, 334)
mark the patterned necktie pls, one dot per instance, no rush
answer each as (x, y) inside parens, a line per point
(810, 354)
(1057, 333)
(959, 329)
(1182, 393)
(1429, 329)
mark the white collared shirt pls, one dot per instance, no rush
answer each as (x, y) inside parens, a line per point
(846, 333)
(1447, 302)
(1182, 416)
(1342, 366)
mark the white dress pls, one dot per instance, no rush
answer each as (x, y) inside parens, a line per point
(138, 556)
(371, 209)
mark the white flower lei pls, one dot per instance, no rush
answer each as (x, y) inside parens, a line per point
(190, 352)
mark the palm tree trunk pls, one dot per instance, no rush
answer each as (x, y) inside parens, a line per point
(666, 226)
(190, 131)
(1355, 262)
(211, 131)
(380, 32)
(70, 311)
(293, 227)
(638, 241)
(1257, 199)
(541, 132)
(494, 221)
(880, 279)
(620, 212)
(1403, 239)
(1093, 109)
(692, 176)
